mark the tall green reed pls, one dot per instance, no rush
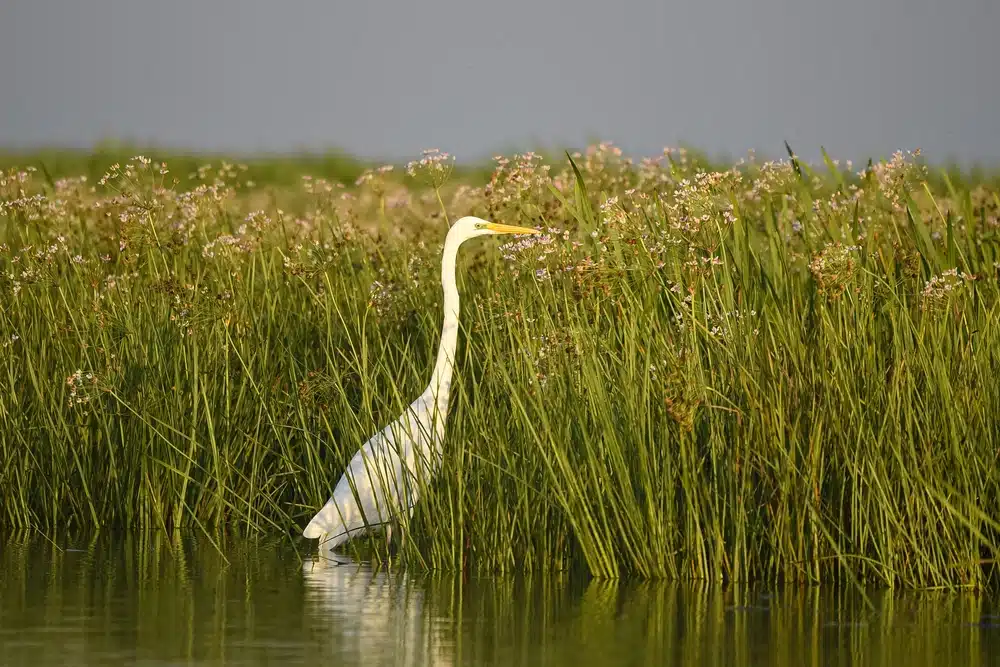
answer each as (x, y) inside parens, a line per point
(766, 372)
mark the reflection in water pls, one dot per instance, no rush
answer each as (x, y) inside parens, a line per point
(379, 617)
(157, 601)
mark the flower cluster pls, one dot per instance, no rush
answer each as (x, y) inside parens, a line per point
(941, 289)
(518, 185)
(434, 167)
(374, 179)
(555, 349)
(514, 249)
(834, 267)
(383, 298)
(246, 239)
(81, 387)
(897, 176)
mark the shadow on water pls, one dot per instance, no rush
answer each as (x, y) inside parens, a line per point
(153, 600)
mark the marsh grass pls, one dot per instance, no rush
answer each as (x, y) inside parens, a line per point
(774, 371)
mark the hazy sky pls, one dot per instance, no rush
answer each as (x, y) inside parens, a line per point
(386, 79)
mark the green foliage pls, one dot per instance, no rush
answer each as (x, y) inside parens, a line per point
(757, 373)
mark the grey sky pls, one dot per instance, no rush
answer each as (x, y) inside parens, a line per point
(386, 79)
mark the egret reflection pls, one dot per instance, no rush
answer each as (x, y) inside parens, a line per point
(378, 616)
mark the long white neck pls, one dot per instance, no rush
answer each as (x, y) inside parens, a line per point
(440, 385)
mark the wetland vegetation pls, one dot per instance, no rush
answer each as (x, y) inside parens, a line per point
(764, 371)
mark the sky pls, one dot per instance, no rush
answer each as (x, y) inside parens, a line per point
(384, 80)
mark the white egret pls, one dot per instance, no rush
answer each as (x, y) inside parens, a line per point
(382, 477)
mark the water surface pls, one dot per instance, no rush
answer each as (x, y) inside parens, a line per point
(154, 601)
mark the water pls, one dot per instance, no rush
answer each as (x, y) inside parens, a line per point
(155, 602)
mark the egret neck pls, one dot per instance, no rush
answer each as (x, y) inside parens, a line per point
(441, 379)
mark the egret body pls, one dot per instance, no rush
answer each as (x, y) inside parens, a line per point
(384, 475)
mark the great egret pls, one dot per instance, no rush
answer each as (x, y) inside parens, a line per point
(381, 477)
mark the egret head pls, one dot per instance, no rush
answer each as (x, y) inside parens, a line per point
(471, 227)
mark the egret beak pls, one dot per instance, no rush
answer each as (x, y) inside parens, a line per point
(510, 229)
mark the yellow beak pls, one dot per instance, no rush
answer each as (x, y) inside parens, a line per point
(510, 229)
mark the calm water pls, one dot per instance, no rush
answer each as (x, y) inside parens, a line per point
(153, 602)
